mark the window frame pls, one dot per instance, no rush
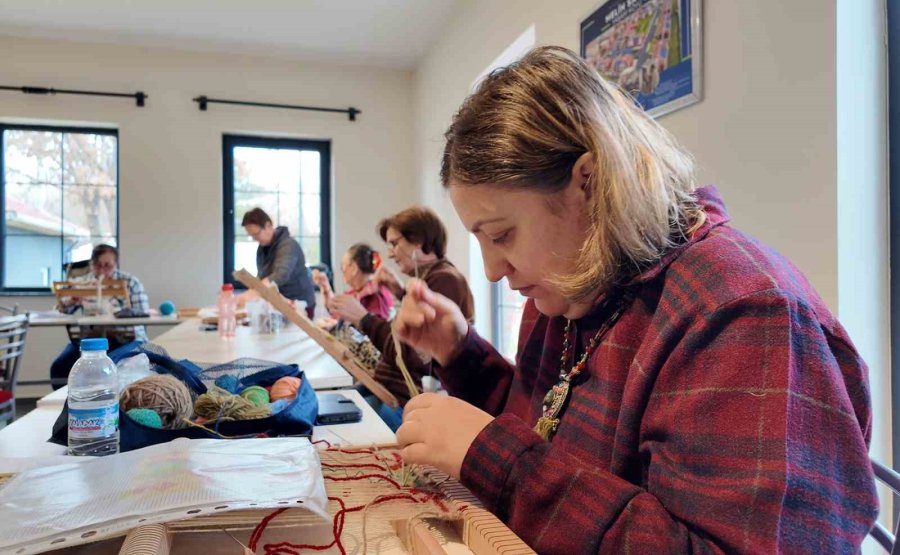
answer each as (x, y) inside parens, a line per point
(497, 308)
(229, 143)
(74, 129)
(893, 98)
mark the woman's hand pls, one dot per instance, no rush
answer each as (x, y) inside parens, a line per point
(438, 430)
(430, 322)
(390, 278)
(320, 279)
(347, 308)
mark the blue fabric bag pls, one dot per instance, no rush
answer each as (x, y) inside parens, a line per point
(296, 418)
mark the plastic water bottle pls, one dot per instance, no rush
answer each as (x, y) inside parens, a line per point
(227, 308)
(93, 402)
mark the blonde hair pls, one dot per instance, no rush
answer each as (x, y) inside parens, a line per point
(528, 123)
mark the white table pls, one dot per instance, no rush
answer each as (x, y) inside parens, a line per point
(27, 436)
(48, 319)
(290, 346)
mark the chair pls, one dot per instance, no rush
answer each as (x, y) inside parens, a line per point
(879, 533)
(12, 310)
(13, 330)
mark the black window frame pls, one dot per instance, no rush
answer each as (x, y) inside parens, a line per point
(229, 143)
(893, 37)
(43, 291)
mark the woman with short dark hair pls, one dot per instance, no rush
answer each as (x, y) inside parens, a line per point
(279, 260)
(417, 243)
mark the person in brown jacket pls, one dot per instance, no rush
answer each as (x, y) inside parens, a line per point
(417, 243)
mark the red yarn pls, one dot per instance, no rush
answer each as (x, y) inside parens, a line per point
(257, 532)
(337, 527)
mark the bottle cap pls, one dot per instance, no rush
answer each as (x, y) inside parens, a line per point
(95, 344)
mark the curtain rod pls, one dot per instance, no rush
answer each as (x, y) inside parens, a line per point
(204, 101)
(139, 97)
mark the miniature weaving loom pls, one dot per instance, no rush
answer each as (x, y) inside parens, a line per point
(327, 341)
(377, 504)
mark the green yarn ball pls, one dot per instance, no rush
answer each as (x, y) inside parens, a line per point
(147, 417)
(256, 395)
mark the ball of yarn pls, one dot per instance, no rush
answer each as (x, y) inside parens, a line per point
(218, 404)
(256, 395)
(147, 417)
(166, 308)
(165, 395)
(286, 388)
(228, 382)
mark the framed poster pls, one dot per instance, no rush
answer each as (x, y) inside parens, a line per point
(651, 48)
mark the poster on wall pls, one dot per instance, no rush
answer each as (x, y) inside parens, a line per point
(651, 48)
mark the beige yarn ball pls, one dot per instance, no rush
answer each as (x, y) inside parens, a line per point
(166, 395)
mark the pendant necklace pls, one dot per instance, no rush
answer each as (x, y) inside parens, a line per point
(555, 401)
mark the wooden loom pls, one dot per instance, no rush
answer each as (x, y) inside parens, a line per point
(447, 519)
(117, 288)
(331, 345)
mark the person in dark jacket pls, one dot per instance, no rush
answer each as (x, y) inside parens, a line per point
(279, 259)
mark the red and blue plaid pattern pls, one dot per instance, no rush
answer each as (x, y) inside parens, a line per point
(726, 412)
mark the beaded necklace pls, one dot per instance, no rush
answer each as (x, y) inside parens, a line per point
(556, 399)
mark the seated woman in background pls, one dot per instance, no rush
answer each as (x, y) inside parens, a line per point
(104, 264)
(358, 267)
(417, 243)
(279, 260)
(679, 386)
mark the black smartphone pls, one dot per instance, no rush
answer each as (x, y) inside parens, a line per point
(334, 408)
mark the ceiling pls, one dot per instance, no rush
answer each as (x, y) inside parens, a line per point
(380, 33)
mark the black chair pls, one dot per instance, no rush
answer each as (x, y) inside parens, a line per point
(879, 533)
(13, 330)
(12, 310)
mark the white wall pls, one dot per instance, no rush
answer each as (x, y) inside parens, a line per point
(764, 134)
(171, 153)
(792, 135)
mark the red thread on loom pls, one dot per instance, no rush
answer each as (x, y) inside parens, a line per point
(257, 532)
(364, 477)
(325, 441)
(337, 528)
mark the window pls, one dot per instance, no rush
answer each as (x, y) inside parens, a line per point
(59, 194)
(287, 178)
(508, 306)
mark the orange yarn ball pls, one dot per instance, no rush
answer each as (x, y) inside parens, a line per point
(285, 388)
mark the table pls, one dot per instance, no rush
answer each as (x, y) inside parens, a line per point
(290, 346)
(52, 318)
(27, 436)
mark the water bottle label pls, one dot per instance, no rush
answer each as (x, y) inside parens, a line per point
(94, 423)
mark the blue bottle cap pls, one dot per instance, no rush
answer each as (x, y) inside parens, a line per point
(95, 344)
